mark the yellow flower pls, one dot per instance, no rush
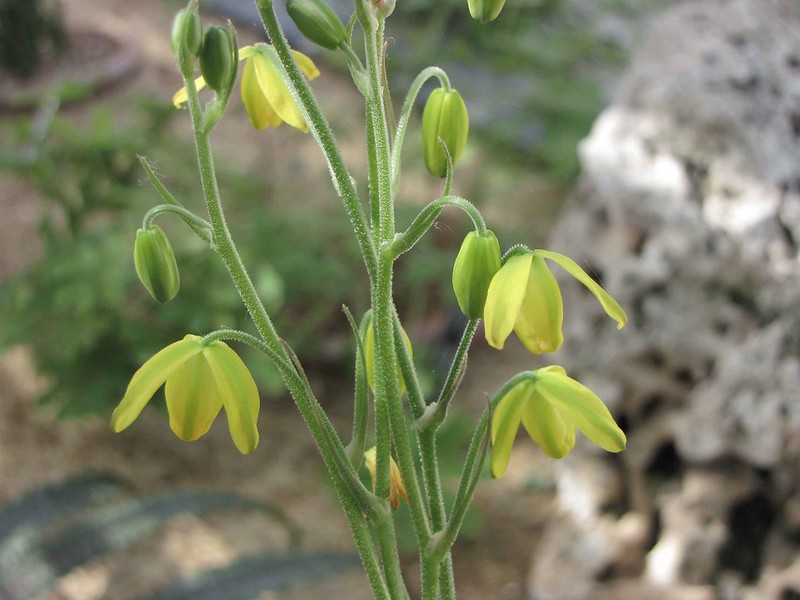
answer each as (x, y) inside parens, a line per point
(396, 488)
(200, 379)
(551, 406)
(266, 97)
(524, 297)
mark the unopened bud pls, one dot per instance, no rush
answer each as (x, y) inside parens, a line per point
(485, 11)
(155, 263)
(476, 264)
(445, 116)
(217, 58)
(369, 357)
(187, 36)
(318, 22)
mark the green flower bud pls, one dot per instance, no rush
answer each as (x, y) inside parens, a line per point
(369, 357)
(485, 11)
(445, 116)
(187, 35)
(217, 58)
(155, 263)
(476, 264)
(318, 22)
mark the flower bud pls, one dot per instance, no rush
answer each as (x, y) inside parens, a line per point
(155, 263)
(476, 264)
(217, 58)
(445, 116)
(318, 22)
(369, 357)
(485, 11)
(187, 35)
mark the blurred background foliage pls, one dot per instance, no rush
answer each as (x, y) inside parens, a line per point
(31, 30)
(90, 324)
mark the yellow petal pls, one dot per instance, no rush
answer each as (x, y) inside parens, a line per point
(182, 95)
(238, 392)
(541, 315)
(151, 376)
(247, 52)
(306, 65)
(505, 422)
(276, 92)
(504, 299)
(397, 489)
(547, 425)
(610, 305)
(259, 110)
(193, 400)
(584, 409)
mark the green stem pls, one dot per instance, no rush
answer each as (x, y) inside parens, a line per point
(387, 391)
(320, 128)
(377, 114)
(250, 340)
(387, 543)
(403, 242)
(200, 226)
(437, 412)
(355, 449)
(439, 547)
(160, 187)
(320, 427)
(372, 169)
(416, 398)
(428, 458)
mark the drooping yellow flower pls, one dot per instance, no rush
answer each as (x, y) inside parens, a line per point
(551, 405)
(266, 97)
(524, 297)
(200, 379)
(396, 488)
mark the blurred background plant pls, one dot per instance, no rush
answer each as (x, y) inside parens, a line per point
(29, 31)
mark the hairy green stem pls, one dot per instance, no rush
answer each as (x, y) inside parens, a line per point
(439, 547)
(437, 412)
(403, 242)
(200, 226)
(429, 460)
(320, 128)
(312, 413)
(377, 114)
(355, 449)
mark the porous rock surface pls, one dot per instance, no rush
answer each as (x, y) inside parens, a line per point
(688, 211)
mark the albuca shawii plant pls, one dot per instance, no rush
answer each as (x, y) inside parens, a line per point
(515, 291)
